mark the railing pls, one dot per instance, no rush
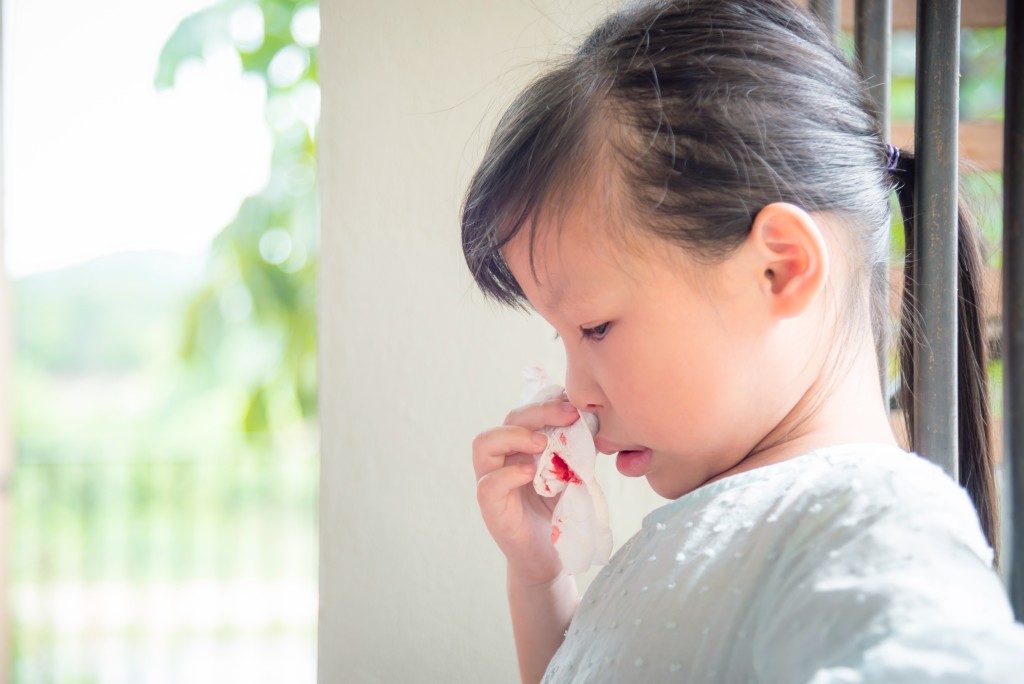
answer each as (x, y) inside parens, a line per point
(937, 84)
(143, 571)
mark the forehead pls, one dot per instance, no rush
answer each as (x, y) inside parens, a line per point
(578, 256)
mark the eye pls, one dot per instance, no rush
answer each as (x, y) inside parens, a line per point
(597, 332)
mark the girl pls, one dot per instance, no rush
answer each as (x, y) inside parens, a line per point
(698, 202)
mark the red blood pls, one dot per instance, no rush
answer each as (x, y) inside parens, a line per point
(561, 436)
(562, 470)
(555, 533)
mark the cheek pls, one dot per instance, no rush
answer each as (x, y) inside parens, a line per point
(696, 386)
(656, 382)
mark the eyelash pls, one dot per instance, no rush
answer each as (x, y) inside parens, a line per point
(597, 332)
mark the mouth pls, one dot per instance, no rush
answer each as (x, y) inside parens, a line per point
(604, 446)
(634, 462)
(631, 462)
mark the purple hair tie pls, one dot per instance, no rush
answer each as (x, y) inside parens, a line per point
(892, 157)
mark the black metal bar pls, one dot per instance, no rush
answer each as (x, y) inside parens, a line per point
(872, 34)
(935, 231)
(1013, 299)
(873, 37)
(828, 12)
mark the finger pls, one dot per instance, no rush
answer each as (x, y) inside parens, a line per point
(492, 447)
(557, 412)
(494, 488)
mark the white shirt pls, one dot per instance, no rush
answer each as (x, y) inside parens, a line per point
(852, 564)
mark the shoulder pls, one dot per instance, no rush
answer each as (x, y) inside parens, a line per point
(883, 568)
(874, 467)
(884, 506)
(844, 492)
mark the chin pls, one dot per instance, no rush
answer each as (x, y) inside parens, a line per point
(669, 490)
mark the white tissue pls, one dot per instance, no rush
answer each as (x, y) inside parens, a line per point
(579, 523)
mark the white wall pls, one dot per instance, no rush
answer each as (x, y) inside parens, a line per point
(413, 361)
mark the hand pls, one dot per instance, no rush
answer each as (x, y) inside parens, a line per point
(517, 517)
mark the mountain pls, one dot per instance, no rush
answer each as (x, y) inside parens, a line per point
(111, 315)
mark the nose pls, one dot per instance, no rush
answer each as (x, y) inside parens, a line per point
(581, 387)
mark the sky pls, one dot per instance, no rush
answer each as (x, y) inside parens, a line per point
(97, 161)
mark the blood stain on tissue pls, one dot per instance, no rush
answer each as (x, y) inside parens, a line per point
(562, 471)
(562, 439)
(556, 531)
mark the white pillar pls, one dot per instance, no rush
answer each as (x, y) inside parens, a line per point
(413, 361)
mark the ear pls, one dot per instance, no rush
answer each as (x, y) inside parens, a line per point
(790, 252)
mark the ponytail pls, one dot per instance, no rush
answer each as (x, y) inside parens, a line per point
(974, 444)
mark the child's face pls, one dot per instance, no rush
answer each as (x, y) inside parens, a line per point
(677, 359)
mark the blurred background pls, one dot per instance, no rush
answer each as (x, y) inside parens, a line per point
(162, 229)
(162, 245)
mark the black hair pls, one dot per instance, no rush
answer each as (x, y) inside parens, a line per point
(974, 441)
(710, 110)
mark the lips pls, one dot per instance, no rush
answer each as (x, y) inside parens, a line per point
(606, 447)
(634, 462)
(630, 461)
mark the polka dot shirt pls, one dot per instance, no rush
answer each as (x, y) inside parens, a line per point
(852, 564)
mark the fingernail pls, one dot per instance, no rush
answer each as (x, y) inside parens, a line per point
(568, 408)
(540, 440)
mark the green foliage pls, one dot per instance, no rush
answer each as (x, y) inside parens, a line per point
(81, 319)
(131, 475)
(995, 388)
(127, 478)
(263, 265)
(142, 520)
(982, 193)
(982, 73)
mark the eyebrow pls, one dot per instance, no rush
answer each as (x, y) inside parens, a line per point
(557, 295)
(563, 295)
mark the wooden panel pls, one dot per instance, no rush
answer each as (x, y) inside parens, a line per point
(981, 142)
(973, 13)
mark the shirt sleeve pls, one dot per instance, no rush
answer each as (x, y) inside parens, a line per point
(892, 588)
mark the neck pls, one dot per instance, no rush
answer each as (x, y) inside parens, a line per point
(843, 409)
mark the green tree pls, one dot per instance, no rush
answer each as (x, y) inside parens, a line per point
(262, 269)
